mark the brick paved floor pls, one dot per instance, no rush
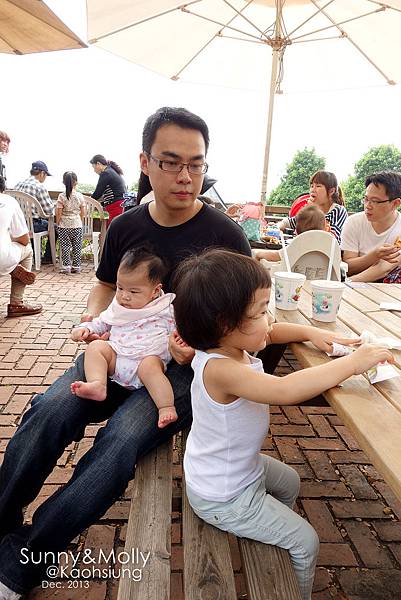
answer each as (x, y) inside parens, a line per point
(354, 512)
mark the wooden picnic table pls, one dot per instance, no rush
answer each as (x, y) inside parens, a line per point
(371, 412)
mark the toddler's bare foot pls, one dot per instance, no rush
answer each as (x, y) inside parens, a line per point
(167, 415)
(95, 390)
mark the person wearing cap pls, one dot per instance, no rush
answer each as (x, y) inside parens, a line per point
(33, 185)
(4, 145)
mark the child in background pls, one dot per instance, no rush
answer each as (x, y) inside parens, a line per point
(251, 218)
(309, 218)
(229, 483)
(140, 320)
(69, 214)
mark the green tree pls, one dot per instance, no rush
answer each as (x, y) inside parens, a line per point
(380, 158)
(85, 188)
(296, 179)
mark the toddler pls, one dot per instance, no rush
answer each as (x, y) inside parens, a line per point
(69, 214)
(229, 483)
(310, 217)
(140, 320)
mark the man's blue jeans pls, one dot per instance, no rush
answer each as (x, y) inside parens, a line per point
(55, 419)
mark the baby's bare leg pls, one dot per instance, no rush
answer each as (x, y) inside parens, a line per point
(100, 361)
(151, 373)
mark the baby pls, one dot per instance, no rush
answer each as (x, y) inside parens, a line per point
(140, 320)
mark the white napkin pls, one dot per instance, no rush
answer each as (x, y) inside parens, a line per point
(380, 372)
(390, 306)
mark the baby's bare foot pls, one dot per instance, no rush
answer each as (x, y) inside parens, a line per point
(167, 415)
(95, 390)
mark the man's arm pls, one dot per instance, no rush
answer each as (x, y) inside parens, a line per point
(375, 272)
(99, 298)
(45, 201)
(23, 239)
(357, 264)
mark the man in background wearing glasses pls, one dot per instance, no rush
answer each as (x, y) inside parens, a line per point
(369, 239)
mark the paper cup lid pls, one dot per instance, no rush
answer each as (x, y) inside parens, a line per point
(331, 285)
(289, 275)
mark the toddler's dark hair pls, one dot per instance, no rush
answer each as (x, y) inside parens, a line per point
(157, 269)
(214, 290)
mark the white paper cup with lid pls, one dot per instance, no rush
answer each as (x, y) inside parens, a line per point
(326, 298)
(287, 289)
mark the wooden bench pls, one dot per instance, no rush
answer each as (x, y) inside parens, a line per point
(208, 572)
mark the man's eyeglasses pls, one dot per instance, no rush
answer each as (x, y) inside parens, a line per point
(173, 166)
(375, 202)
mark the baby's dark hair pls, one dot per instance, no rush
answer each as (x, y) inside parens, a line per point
(157, 269)
(214, 290)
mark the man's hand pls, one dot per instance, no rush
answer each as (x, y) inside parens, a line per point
(92, 336)
(180, 351)
(387, 252)
(323, 340)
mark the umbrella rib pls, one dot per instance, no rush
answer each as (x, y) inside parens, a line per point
(223, 25)
(320, 39)
(145, 20)
(240, 14)
(338, 24)
(227, 25)
(309, 18)
(385, 5)
(344, 33)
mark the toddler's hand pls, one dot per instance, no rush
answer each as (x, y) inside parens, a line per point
(80, 334)
(368, 356)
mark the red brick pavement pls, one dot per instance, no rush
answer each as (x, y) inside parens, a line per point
(354, 512)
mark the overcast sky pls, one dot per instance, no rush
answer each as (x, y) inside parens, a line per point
(64, 107)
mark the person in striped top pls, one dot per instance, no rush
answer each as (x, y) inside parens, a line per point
(327, 195)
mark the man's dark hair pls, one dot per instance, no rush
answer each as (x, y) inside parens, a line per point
(167, 115)
(214, 290)
(2, 184)
(157, 269)
(390, 180)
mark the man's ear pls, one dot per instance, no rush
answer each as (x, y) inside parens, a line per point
(144, 163)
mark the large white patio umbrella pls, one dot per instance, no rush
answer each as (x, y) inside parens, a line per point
(243, 43)
(28, 26)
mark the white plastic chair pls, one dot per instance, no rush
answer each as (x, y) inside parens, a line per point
(97, 237)
(27, 203)
(309, 253)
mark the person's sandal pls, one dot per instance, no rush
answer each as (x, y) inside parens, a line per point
(23, 310)
(23, 275)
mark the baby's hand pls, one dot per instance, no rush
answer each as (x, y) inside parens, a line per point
(368, 356)
(79, 334)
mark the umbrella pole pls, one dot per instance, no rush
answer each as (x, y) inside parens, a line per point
(273, 83)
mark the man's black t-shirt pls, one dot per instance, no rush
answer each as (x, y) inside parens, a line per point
(208, 228)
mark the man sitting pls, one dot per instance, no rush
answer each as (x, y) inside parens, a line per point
(369, 238)
(15, 254)
(33, 185)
